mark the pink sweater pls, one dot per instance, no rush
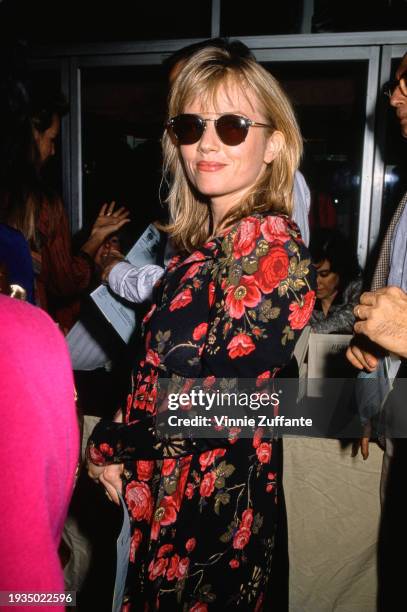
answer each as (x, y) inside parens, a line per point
(38, 448)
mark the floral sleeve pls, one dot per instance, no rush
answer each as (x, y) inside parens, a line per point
(263, 296)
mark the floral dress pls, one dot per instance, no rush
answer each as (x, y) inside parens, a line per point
(204, 512)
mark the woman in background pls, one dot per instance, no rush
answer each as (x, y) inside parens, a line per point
(339, 283)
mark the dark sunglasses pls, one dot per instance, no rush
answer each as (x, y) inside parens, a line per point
(390, 86)
(231, 129)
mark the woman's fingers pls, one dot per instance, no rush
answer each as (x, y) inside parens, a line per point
(110, 209)
(111, 480)
(102, 211)
(111, 491)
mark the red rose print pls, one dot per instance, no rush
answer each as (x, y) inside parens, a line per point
(208, 382)
(273, 268)
(199, 607)
(135, 543)
(164, 550)
(199, 331)
(182, 569)
(241, 538)
(233, 434)
(144, 469)
(208, 457)
(170, 512)
(96, 456)
(240, 346)
(205, 459)
(300, 313)
(246, 294)
(181, 300)
(189, 490)
(106, 449)
(211, 290)
(157, 569)
(234, 563)
(227, 327)
(258, 434)
(190, 544)
(149, 314)
(247, 518)
(173, 567)
(167, 514)
(173, 262)
(207, 484)
(168, 466)
(218, 452)
(182, 480)
(148, 340)
(151, 399)
(153, 358)
(155, 530)
(274, 228)
(263, 452)
(140, 397)
(196, 260)
(246, 236)
(262, 377)
(139, 500)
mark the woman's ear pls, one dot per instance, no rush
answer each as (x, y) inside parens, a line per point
(275, 143)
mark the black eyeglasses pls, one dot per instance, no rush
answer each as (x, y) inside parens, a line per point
(388, 88)
(231, 129)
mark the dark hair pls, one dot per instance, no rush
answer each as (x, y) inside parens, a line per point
(332, 245)
(235, 47)
(22, 189)
(45, 102)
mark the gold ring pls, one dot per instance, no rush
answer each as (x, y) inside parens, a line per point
(357, 312)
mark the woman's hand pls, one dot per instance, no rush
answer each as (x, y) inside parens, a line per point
(362, 443)
(110, 477)
(109, 261)
(109, 220)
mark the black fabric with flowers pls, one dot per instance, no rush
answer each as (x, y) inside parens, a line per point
(204, 512)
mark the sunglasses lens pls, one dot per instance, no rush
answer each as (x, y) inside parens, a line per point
(232, 129)
(187, 128)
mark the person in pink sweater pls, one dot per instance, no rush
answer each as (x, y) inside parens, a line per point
(38, 450)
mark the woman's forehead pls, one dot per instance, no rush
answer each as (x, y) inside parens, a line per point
(230, 95)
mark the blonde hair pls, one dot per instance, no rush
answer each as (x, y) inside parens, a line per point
(201, 78)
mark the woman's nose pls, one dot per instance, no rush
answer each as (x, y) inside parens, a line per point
(209, 140)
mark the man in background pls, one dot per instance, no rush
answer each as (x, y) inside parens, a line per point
(382, 320)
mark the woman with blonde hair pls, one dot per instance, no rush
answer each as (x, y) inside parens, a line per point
(207, 514)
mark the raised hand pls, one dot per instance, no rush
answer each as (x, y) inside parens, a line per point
(109, 220)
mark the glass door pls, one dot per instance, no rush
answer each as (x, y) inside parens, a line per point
(333, 92)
